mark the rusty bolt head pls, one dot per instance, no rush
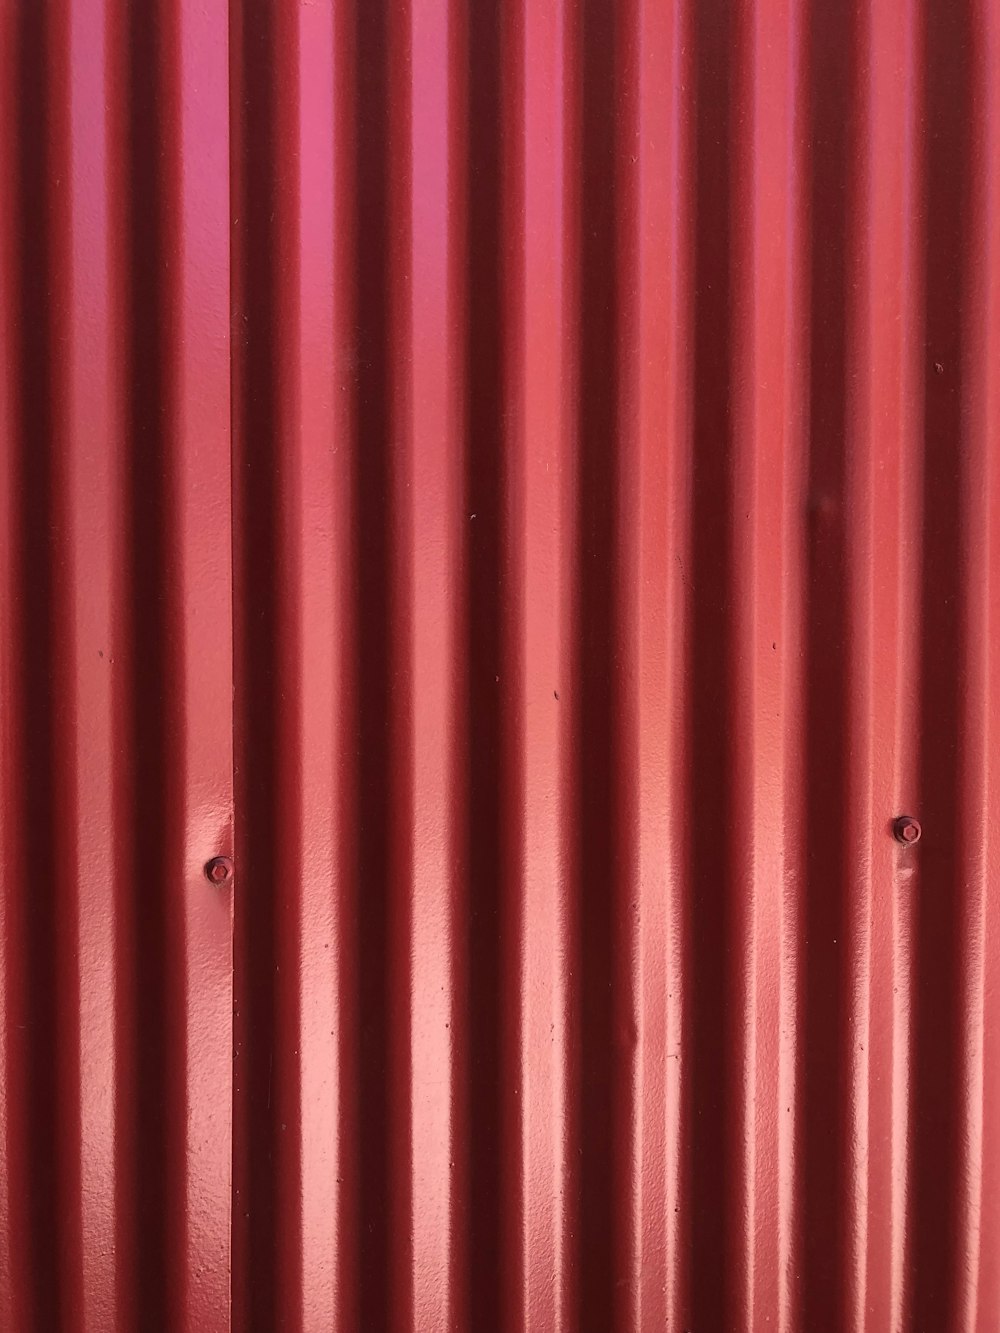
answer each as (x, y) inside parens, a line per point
(906, 829)
(219, 869)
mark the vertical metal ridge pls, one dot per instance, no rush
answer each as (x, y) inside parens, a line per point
(868, 324)
(95, 482)
(768, 481)
(119, 655)
(542, 514)
(202, 560)
(627, 900)
(748, 496)
(441, 1139)
(322, 519)
(658, 553)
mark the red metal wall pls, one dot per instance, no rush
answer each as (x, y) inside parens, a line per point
(115, 666)
(536, 462)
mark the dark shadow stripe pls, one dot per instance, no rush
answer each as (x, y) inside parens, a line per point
(824, 1037)
(937, 1069)
(258, 490)
(374, 556)
(710, 1028)
(36, 680)
(597, 668)
(484, 491)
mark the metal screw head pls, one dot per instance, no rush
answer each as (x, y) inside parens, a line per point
(906, 829)
(219, 869)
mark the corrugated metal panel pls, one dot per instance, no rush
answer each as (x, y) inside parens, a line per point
(614, 503)
(116, 666)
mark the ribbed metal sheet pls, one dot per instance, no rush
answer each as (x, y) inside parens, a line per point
(538, 462)
(115, 667)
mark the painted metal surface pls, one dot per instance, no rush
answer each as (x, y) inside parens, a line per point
(537, 464)
(116, 667)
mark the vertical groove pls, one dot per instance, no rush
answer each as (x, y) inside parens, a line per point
(94, 463)
(625, 888)
(942, 905)
(347, 1033)
(597, 820)
(516, 907)
(487, 687)
(747, 1231)
(710, 1031)
(11, 1233)
(382, 664)
(541, 487)
(266, 1264)
(154, 722)
(983, 277)
(255, 565)
(862, 348)
(46, 1071)
(973, 814)
(824, 1038)
(373, 647)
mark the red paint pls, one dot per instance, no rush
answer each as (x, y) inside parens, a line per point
(116, 767)
(906, 829)
(520, 479)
